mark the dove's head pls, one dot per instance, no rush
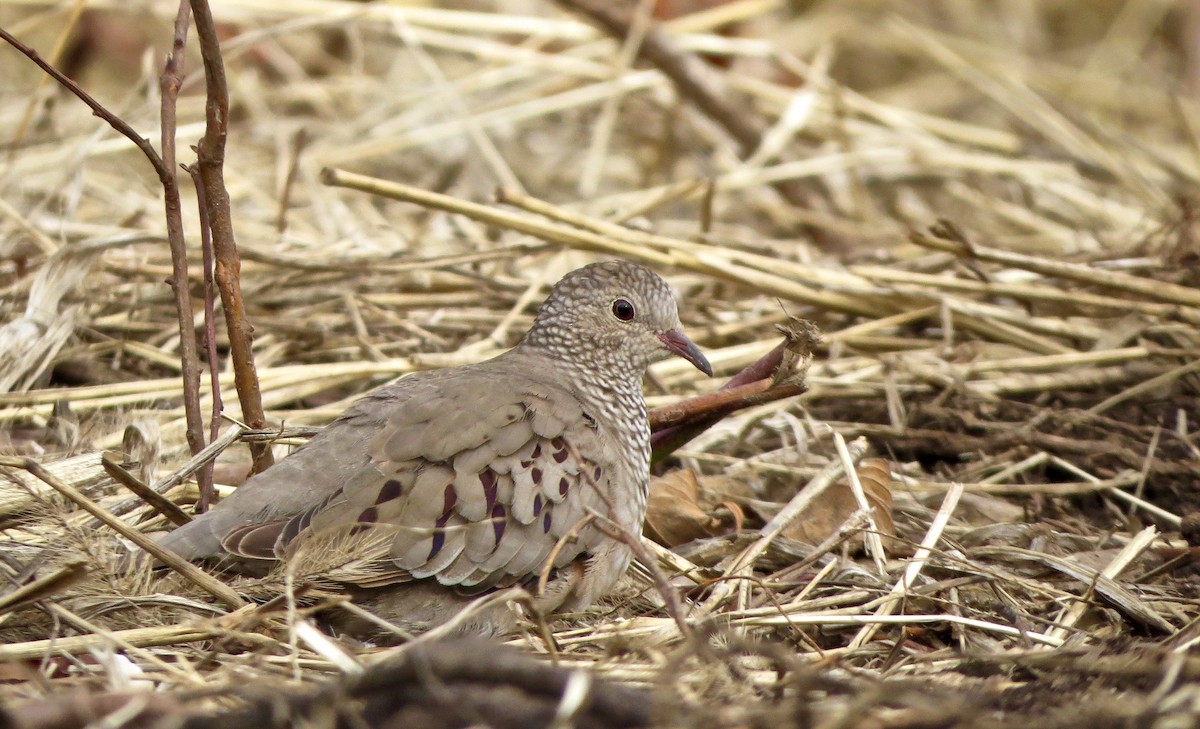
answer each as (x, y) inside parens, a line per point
(614, 317)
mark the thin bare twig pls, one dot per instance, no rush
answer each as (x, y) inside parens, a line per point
(189, 571)
(210, 156)
(97, 108)
(164, 167)
(170, 82)
(204, 475)
(157, 501)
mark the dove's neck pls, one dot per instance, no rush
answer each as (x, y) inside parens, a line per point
(611, 396)
(615, 400)
(611, 391)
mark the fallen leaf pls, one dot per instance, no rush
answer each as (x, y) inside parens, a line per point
(823, 517)
(680, 508)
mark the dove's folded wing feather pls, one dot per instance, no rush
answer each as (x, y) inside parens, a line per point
(473, 492)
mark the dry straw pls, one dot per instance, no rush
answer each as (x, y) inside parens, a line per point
(996, 239)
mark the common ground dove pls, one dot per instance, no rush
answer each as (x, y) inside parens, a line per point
(456, 481)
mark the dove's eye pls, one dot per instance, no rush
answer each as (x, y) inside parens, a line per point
(623, 310)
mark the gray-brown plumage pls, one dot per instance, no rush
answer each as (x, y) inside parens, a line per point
(465, 479)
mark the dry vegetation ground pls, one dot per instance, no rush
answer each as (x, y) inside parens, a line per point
(988, 207)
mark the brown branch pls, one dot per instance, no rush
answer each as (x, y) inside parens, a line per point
(760, 370)
(689, 418)
(164, 167)
(720, 403)
(169, 83)
(156, 501)
(97, 108)
(211, 160)
(204, 475)
(773, 377)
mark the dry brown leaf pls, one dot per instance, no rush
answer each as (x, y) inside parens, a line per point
(825, 515)
(875, 475)
(677, 511)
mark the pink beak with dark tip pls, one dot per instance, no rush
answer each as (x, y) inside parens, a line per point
(677, 342)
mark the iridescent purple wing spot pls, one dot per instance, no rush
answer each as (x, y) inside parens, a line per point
(489, 480)
(392, 490)
(499, 521)
(439, 535)
(560, 450)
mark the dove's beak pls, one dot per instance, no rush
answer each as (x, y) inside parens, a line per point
(677, 342)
